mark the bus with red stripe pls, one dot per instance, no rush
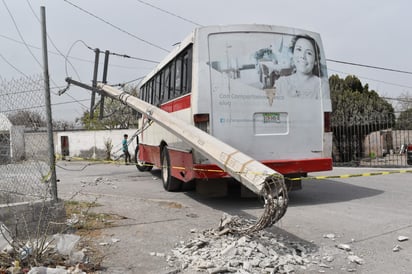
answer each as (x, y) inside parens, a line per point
(261, 89)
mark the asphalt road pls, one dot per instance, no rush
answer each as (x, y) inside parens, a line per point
(368, 213)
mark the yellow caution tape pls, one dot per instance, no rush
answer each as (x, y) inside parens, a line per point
(344, 176)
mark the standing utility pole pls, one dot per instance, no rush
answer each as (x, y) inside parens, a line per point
(104, 81)
(94, 83)
(48, 107)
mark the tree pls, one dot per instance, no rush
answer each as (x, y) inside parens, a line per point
(63, 125)
(357, 111)
(404, 101)
(404, 120)
(29, 119)
(116, 114)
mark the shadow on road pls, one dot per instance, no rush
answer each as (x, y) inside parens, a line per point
(313, 192)
(328, 191)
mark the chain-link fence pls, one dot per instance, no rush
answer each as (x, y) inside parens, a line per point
(24, 159)
(374, 142)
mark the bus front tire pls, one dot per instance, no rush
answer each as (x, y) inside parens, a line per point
(169, 182)
(142, 166)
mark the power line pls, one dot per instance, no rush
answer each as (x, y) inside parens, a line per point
(371, 79)
(405, 100)
(26, 76)
(70, 102)
(368, 66)
(330, 60)
(28, 91)
(42, 106)
(136, 58)
(116, 27)
(170, 13)
(74, 57)
(51, 40)
(128, 82)
(20, 35)
(28, 48)
(117, 54)
(11, 65)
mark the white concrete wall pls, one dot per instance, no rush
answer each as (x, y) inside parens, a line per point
(92, 143)
(5, 124)
(18, 151)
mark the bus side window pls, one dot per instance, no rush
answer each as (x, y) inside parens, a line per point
(142, 93)
(184, 73)
(187, 71)
(178, 77)
(146, 93)
(156, 89)
(150, 91)
(166, 83)
(172, 80)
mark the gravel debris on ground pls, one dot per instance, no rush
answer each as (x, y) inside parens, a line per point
(212, 251)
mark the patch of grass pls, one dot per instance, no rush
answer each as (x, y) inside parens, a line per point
(88, 226)
(84, 220)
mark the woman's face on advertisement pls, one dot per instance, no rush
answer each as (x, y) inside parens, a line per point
(304, 56)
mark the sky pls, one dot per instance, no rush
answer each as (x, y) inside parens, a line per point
(363, 32)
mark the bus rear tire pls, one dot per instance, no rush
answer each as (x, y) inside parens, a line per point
(142, 166)
(169, 182)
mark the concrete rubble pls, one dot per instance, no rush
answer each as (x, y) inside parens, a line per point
(257, 253)
(212, 251)
(345, 247)
(396, 248)
(402, 238)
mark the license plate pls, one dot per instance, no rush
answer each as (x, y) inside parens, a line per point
(272, 117)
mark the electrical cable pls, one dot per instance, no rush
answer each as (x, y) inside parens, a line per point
(170, 13)
(11, 65)
(28, 91)
(116, 27)
(118, 54)
(42, 106)
(20, 35)
(76, 58)
(28, 48)
(53, 44)
(371, 79)
(131, 57)
(128, 82)
(68, 54)
(368, 66)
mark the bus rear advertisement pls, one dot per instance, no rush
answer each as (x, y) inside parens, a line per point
(261, 89)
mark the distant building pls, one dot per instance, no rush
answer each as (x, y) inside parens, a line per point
(11, 141)
(5, 136)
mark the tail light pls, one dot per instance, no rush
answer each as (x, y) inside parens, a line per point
(326, 121)
(201, 121)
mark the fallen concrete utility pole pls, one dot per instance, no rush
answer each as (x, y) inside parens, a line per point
(254, 175)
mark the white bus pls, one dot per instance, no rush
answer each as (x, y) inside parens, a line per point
(261, 89)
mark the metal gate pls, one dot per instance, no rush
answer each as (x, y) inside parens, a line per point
(372, 142)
